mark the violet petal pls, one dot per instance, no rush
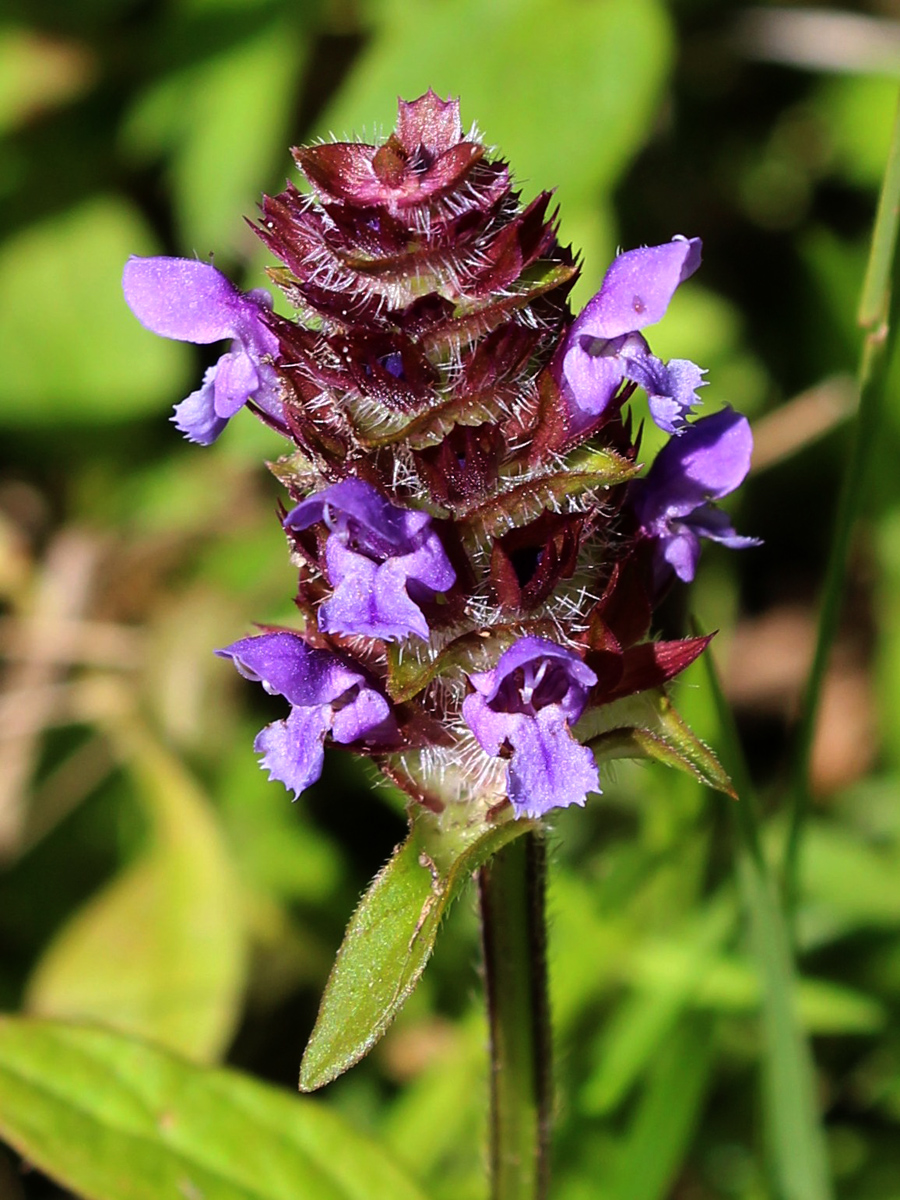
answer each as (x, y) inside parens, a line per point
(671, 388)
(285, 666)
(638, 287)
(196, 415)
(181, 298)
(368, 715)
(292, 750)
(549, 768)
(528, 701)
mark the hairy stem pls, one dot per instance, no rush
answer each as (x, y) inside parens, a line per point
(512, 893)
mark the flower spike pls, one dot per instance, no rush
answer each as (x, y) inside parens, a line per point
(477, 562)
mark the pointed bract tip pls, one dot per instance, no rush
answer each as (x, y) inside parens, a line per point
(429, 121)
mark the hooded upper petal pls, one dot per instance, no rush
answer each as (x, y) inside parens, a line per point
(706, 462)
(326, 697)
(285, 666)
(182, 298)
(604, 345)
(638, 287)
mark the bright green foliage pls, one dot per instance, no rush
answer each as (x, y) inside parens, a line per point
(647, 725)
(115, 1119)
(160, 952)
(390, 939)
(166, 888)
(72, 351)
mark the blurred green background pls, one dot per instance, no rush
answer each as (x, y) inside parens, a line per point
(151, 878)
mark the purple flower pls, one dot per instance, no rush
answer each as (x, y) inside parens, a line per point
(672, 504)
(193, 301)
(529, 700)
(604, 347)
(326, 696)
(381, 560)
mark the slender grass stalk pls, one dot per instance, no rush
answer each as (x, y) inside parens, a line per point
(794, 1129)
(873, 318)
(512, 895)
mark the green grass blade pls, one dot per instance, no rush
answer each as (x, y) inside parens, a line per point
(875, 355)
(667, 1115)
(796, 1139)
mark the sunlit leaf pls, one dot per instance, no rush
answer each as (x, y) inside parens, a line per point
(666, 1116)
(159, 951)
(642, 1023)
(71, 349)
(389, 941)
(796, 1138)
(115, 1119)
(224, 124)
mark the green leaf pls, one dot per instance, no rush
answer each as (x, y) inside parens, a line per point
(726, 984)
(224, 122)
(390, 939)
(666, 1116)
(38, 73)
(115, 1119)
(644, 1022)
(796, 1138)
(647, 725)
(159, 952)
(879, 326)
(71, 349)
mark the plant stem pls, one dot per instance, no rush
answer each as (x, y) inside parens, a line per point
(512, 895)
(874, 314)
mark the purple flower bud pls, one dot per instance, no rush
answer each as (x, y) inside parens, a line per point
(529, 701)
(326, 696)
(194, 302)
(381, 560)
(672, 504)
(604, 347)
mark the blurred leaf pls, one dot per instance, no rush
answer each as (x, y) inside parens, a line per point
(666, 1116)
(570, 99)
(855, 882)
(115, 1119)
(71, 350)
(159, 952)
(879, 334)
(389, 941)
(38, 72)
(858, 112)
(888, 615)
(730, 985)
(796, 1138)
(432, 1123)
(708, 329)
(647, 725)
(225, 123)
(276, 843)
(642, 1023)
